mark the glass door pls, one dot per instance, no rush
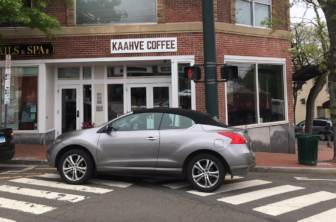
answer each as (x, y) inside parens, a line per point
(68, 109)
(149, 96)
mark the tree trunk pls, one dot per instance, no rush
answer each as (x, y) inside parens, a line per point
(329, 9)
(310, 107)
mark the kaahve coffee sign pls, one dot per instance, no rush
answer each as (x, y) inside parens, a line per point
(28, 49)
(143, 45)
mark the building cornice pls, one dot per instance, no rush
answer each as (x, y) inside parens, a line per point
(142, 29)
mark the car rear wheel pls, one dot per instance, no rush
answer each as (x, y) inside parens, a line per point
(322, 136)
(206, 172)
(76, 167)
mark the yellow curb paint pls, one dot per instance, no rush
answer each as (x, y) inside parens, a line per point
(32, 173)
(3, 178)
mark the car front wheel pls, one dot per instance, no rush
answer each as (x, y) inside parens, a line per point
(206, 172)
(76, 167)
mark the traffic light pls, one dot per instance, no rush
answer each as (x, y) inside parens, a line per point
(193, 73)
(229, 72)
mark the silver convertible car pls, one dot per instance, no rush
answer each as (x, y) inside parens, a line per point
(158, 142)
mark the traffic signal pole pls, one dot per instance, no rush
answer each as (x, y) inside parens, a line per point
(210, 63)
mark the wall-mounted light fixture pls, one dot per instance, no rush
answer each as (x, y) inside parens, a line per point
(303, 101)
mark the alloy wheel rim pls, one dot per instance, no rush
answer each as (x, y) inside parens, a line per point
(205, 173)
(74, 167)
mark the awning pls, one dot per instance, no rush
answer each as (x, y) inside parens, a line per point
(306, 73)
(326, 105)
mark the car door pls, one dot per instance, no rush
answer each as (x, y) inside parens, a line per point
(131, 144)
(317, 126)
(175, 134)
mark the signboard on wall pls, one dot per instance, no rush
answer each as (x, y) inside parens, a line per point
(143, 45)
(28, 49)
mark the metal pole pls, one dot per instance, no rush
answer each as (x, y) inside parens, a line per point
(5, 116)
(210, 67)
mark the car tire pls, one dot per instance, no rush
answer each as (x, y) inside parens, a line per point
(214, 173)
(79, 170)
(322, 137)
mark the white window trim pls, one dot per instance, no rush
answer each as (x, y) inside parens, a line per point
(257, 61)
(253, 14)
(147, 23)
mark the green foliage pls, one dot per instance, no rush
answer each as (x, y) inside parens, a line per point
(16, 13)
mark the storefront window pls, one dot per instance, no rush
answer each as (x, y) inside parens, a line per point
(115, 100)
(22, 112)
(112, 12)
(242, 95)
(115, 72)
(68, 73)
(184, 88)
(143, 71)
(271, 93)
(87, 73)
(87, 95)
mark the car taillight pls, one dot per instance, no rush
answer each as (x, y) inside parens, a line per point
(11, 134)
(236, 138)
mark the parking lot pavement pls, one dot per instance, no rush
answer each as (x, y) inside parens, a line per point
(39, 194)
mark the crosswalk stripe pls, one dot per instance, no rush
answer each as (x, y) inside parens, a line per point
(256, 195)
(94, 181)
(6, 220)
(24, 206)
(296, 203)
(324, 216)
(179, 185)
(111, 183)
(60, 185)
(42, 194)
(231, 187)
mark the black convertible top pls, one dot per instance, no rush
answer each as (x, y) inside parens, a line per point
(198, 117)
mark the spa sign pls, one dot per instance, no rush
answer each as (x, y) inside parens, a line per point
(143, 45)
(33, 49)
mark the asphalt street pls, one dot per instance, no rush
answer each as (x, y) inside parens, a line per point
(38, 194)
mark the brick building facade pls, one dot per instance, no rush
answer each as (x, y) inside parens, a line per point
(80, 46)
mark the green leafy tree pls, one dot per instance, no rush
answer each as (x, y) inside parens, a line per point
(29, 14)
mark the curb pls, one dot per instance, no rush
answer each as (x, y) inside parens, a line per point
(294, 170)
(25, 162)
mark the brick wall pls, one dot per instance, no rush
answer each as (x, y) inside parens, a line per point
(57, 10)
(188, 44)
(183, 11)
(224, 11)
(281, 10)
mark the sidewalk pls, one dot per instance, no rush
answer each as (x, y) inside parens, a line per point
(266, 162)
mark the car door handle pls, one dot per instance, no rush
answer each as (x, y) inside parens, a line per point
(151, 138)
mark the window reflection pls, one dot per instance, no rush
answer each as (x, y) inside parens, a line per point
(241, 96)
(115, 100)
(143, 71)
(87, 95)
(184, 88)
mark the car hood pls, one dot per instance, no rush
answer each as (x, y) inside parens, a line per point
(73, 134)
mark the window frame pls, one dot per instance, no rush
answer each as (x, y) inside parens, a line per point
(263, 61)
(253, 13)
(136, 23)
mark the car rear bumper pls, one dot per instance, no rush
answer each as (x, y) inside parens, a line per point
(244, 169)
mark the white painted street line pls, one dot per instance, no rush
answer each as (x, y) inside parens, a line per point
(158, 179)
(306, 178)
(232, 186)
(51, 176)
(259, 194)
(325, 216)
(61, 185)
(6, 220)
(111, 183)
(296, 203)
(93, 181)
(228, 177)
(42, 194)
(24, 206)
(187, 184)
(177, 185)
